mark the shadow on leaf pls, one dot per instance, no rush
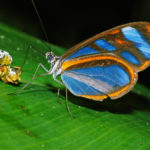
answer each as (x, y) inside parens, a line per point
(124, 105)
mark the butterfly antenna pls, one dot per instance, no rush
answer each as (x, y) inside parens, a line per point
(41, 23)
(27, 53)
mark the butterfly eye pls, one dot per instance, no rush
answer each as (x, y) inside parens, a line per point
(49, 56)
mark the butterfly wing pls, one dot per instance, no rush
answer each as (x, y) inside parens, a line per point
(98, 76)
(130, 42)
(107, 64)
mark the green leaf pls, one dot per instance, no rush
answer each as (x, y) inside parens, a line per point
(33, 120)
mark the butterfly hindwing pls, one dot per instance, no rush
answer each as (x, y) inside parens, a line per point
(98, 77)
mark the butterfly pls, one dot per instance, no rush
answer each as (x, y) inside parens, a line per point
(7, 73)
(105, 65)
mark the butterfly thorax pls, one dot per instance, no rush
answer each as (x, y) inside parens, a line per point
(55, 62)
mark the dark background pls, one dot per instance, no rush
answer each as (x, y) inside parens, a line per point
(69, 22)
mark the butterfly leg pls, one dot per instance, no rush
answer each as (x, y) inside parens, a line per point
(29, 83)
(34, 77)
(54, 77)
(44, 74)
(40, 65)
(58, 94)
(67, 105)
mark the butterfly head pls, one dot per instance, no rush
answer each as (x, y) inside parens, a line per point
(53, 60)
(50, 56)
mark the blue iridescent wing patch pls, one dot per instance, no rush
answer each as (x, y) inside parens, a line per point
(82, 52)
(132, 34)
(105, 45)
(130, 57)
(93, 81)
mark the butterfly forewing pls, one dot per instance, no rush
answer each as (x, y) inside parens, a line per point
(130, 42)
